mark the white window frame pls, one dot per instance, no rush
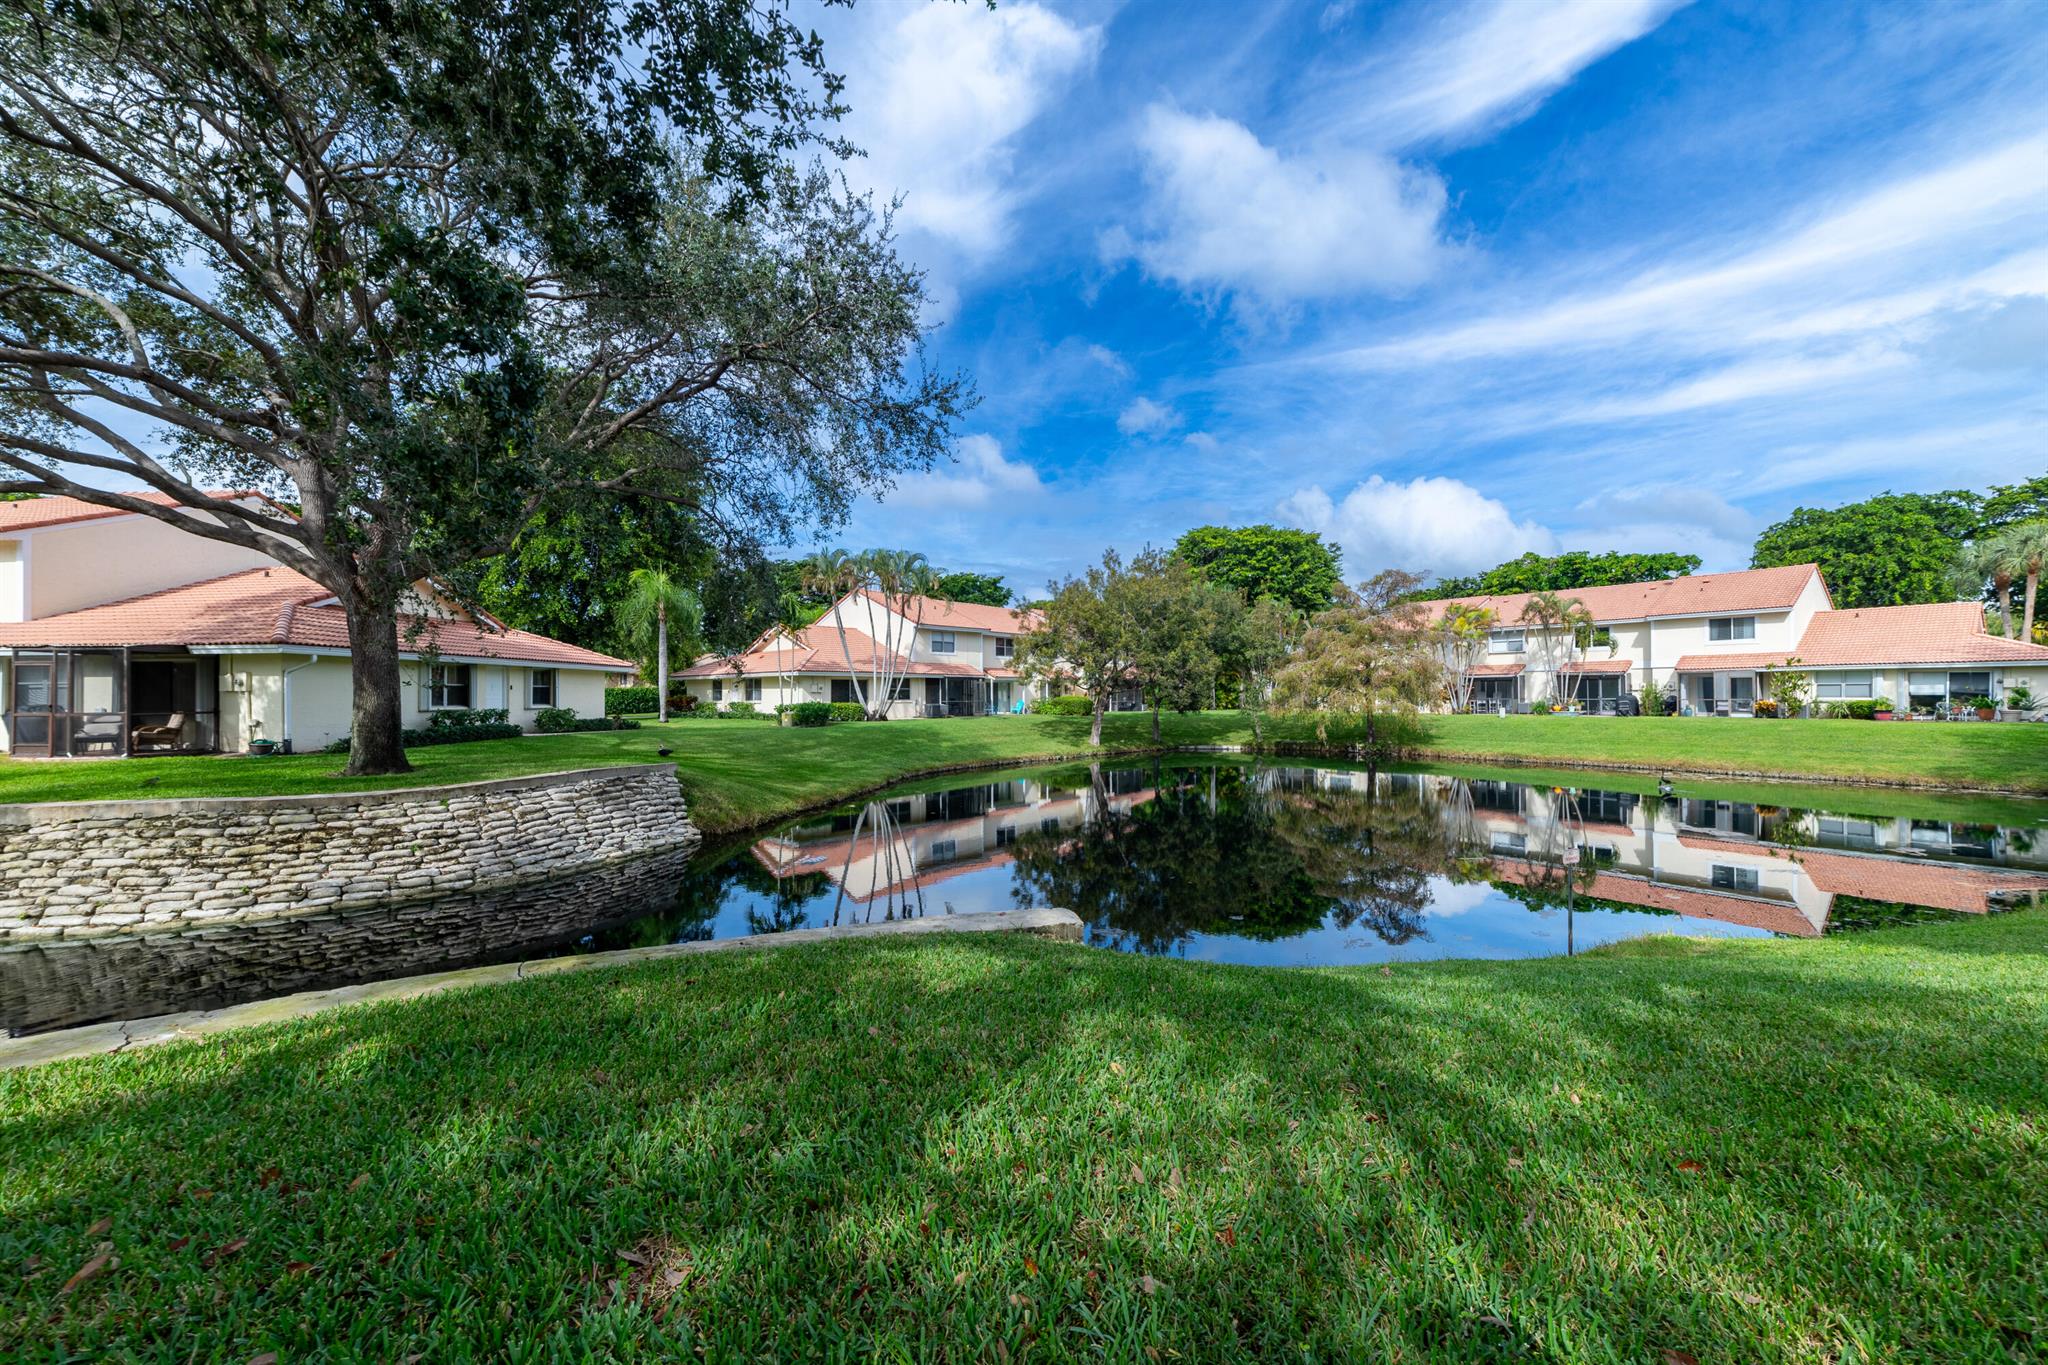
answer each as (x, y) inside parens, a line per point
(1728, 877)
(534, 678)
(718, 689)
(1738, 628)
(1006, 647)
(1507, 642)
(944, 642)
(438, 687)
(750, 690)
(1848, 685)
(944, 850)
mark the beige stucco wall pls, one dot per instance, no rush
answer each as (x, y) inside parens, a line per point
(13, 606)
(86, 563)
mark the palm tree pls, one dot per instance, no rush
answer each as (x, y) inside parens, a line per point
(653, 602)
(902, 579)
(1987, 559)
(2024, 548)
(1563, 628)
(789, 618)
(834, 574)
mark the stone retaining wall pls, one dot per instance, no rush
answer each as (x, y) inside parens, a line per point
(82, 869)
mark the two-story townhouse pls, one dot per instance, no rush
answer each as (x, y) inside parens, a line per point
(121, 634)
(945, 659)
(1712, 640)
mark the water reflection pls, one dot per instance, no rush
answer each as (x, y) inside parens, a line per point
(1308, 864)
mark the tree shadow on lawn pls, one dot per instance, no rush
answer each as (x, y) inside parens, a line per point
(948, 1145)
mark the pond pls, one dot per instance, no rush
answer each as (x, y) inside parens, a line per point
(1204, 858)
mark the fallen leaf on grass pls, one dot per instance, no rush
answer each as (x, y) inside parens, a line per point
(1148, 1285)
(269, 1175)
(1019, 1301)
(179, 1244)
(89, 1269)
(1672, 1357)
(1137, 1174)
(297, 1267)
(101, 1228)
(1227, 1235)
(223, 1251)
(1692, 1167)
(632, 1258)
(264, 1358)
(961, 1278)
(1030, 1266)
(1491, 1321)
(359, 1182)
(1116, 1068)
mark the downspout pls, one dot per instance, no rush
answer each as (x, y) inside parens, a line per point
(286, 729)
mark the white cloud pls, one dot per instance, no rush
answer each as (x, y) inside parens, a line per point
(1230, 214)
(1429, 525)
(980, 477)
(937, 98)
(1662, 505)
(1109, 360)
(1143, 416)
(1489, 64)
(1202, 441)
(1928, 219)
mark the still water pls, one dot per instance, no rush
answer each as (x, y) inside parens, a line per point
(1214, 859)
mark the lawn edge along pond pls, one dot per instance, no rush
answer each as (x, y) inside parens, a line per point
(1728, 1150)
(737, 774)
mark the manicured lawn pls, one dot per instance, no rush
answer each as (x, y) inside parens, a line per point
(1992, 756)
(738, 773)
(986, 1149)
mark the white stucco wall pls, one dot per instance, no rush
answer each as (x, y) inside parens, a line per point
(85, 563)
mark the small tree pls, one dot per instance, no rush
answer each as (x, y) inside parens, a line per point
(654, 603)
(1368, 657)
(1791, 689)
(1461, 635)
(2022, 549)
(1088, 628)
(1177, 620)
(900, 582)
(1257, 643)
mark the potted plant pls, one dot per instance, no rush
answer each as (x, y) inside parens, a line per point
(1985, 707)
(2020, 699)
(1881, 708)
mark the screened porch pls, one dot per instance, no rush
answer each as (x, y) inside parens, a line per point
(111, 703)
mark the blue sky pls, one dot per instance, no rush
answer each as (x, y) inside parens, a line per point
(1453, 281)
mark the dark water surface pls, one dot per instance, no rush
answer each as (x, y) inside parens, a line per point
(1213, 859)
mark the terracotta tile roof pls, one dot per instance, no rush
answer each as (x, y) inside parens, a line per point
(274, 607)
(1901, 881)
(1698, 595)
(1598, 666)
(28, 514)
(1708, 663)
(940, 613)
(1495, 670)
(816, 650)
(1938, 633)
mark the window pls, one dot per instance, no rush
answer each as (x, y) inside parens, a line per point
(1510, 843)
(943, 642)
(842, 689)
(1506, 642)
(1006, 648)
(1733, 878)
(752, 689)
(1836, 829)
(1732, 628)
(540, 688)
(718, 689)
(1842, 686)
(944, 850)
(1005, 835)
(1964, 687)
(448, 688)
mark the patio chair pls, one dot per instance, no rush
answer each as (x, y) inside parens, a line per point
(169, 735)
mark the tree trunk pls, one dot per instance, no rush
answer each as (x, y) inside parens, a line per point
(2033, 586)
(1095, 730)
(2005, 606)
(661, 659)
(1258, 739)
(376, 742)
(1155, 722)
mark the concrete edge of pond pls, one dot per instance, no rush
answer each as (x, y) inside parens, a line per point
(90, 1040)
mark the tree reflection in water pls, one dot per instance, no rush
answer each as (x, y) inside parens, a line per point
(1254, 854)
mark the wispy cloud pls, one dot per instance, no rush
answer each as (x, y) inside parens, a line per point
(980, 477)
(1481, 66)
(1142, 417)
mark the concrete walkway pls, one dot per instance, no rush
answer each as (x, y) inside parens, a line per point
(125, 1036)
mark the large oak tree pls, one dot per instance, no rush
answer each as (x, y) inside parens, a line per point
(420, 269)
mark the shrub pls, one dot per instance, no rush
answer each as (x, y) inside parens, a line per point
(463, 720)
(847, 710)
(1982, 704)
(1861, 708)
(621, 701)
(739, 710)
(1073, 705)
(1832, 710)
(561, 720)
(457, 734)
(1766, 708)
(809, 712)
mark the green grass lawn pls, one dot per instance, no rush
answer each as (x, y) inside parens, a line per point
(988, 1149)
(738, 773)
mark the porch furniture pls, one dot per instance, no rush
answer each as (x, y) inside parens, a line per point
(170, 735)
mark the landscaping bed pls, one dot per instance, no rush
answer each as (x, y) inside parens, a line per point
(1674, 1150)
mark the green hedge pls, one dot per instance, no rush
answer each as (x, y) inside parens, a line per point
(1075, 705)
(810, 713)
(626, 701)
(440, 734)
(562, 720)
(847, 710)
